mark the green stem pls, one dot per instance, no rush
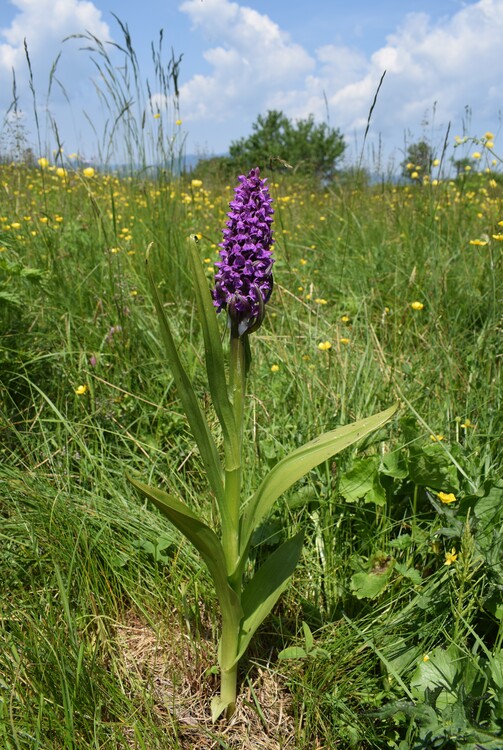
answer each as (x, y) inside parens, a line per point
(229, 644)
(229, 669)
(237, 385)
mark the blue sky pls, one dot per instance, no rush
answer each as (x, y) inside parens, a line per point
(240, 58)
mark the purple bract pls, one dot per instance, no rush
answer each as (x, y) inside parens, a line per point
(243, 281)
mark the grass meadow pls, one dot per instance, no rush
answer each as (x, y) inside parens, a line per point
(390, 634)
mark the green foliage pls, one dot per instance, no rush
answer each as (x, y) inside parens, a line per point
(304, 147)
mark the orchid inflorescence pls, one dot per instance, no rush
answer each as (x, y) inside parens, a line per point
(243, 281)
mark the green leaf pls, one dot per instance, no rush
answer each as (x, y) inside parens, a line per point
(411, 573)
(362, 481)
(263, 591)
(299, 462)
(442, 669)
(214, 356)
(368, 585)
(394, 465)
(202, 537)
(195, 416)
(308, 636)
(431, 466)
(292, 652)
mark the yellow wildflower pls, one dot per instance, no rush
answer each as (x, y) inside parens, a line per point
(324, 346)
(489, 136)
(446, 497)
(157, 115)
(274, 368)
(417, 305)
(345, 319)
(436, 162)
(344, 341)
(80, 390)
(414, 175)
(178, 122)
(426, 658)
(498, 237)
(467, 423)
(436, 438)
(197, 183)
(451, 557)
(476, 155)
(489, 144)
(88, 172)
(43, 162)
(478, 242)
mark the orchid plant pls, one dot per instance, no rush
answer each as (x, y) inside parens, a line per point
(243, 286)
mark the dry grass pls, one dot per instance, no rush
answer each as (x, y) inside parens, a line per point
(176, 669)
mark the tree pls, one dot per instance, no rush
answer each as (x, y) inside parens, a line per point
(303, 146)
(462, 165)
(419, 159)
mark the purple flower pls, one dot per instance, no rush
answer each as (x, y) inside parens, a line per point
(243, 281)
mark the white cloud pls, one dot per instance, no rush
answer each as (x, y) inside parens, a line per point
(44, 24)
(446, 66)
(253, 57)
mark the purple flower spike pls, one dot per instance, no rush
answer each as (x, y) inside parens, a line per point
(243, 281)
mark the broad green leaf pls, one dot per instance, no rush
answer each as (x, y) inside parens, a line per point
(362, 481)
(442, 669)
(394, 464)
(202, 537)
(368, 585)
(215, 363)
(195, 416)
(431, 466)
(299, 462)
(263, 591)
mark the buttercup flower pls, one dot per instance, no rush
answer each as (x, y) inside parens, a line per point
(243, 280)
(446, 497)
(81, 390)
(324, 346)
(417, 305)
